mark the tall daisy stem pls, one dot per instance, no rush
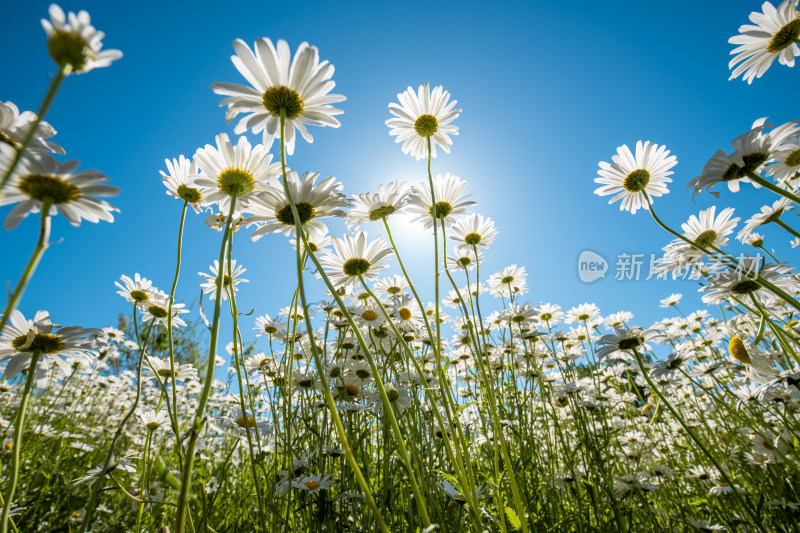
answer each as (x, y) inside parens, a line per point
(337, 421)
(19, 427)
(787, 227)
(733, 263)
(174, 414)
(30, 268)
(48, 99)
(698, 442)
(199, 417)
(771, 186)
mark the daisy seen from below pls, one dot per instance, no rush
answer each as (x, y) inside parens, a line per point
(157, 309)
(41, 181)
(422, 115)
(226, 171)
(22, 340)
(706, 231)
(769, 213)
(179, 181)
(622, 343)
(450, 200)
(740, 282)
(15, 126)
(314, 484)
(153, 420)
(786, 167)
(137, 290)
(299, 88)
(509, 282)
(752, 150)
(775, 33)
(273, 212)
(474, 230)
(355, 257)
(229, 279)
(74, 44)
(374, 207)
(631, 176)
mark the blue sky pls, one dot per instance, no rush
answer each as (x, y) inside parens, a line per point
(547, 91)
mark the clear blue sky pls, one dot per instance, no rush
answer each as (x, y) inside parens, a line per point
(547, 91)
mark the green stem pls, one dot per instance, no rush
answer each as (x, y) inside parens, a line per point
(174, 410)
(30, 268)
(199, 417)
(337, 421)
(19, 427)
(698, 442)
(48, 99)
(786, 226)
(771, 186)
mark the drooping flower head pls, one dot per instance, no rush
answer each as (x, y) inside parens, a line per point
(629, 176)
(299, 87)
(73, 42)
(421, 115)
(41, 179)
(774, 33)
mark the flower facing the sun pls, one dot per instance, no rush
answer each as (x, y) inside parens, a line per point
(74, 44)
(299, 88)
(354, 257)
(423, 115)
(630, 177)
(450, 200)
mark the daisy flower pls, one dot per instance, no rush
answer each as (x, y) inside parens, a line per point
(163, 368)
(242, 423)
(41, 179)
(583, 313)
(769, 213)
(464, 257)
(273, 213)
(73, 42)
(753, 149)
(153, 420)
(669, 301)
(266, 325)
(741, 282)
(157, 308)
(550, 313)
(21, 338)
(355, 257)
(705, 230)
(314, 484)
(474, 230)
(14, 127)
(138, 290)
(629, 176)
(786, 158)
(229, 280)
(423, 115)
(179, 181)
(774, 33)
(391, 286)
(509, 281)
(124, 464)
(242, 171)
(450, 200)
(374, 207)
(621, 343)
(299, 87)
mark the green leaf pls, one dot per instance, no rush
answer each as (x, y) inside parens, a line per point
(513, 518)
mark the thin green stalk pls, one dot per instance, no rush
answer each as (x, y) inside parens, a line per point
(48, 99)
(337, 421)
(30, 268)
(199, 417)
(19, 428)
(756, 520)
(771, 186)
(787, 227)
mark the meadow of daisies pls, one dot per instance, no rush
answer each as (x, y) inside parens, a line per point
(382, 408)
